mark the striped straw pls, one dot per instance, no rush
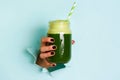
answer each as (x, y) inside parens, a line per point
(71, 11)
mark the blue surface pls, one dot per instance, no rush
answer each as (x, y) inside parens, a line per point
(95, 26)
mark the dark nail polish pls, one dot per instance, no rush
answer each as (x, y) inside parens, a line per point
(54, 47)
(52, 40)
(52, 53)
(53, 65)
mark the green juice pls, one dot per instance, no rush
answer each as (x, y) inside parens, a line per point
(60, 31)
(63, 51)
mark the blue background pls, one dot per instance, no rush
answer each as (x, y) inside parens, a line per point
(95, 26)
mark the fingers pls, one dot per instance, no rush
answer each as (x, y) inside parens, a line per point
(44, 63)
(47, 51)
(46, 39)
(47, 54)
(48, 64)
(48, 48)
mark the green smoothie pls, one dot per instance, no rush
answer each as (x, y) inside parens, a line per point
(60, 31)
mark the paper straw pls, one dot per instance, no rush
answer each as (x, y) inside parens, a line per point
(71, 11)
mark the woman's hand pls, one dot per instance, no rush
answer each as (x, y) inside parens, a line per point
(47, 51)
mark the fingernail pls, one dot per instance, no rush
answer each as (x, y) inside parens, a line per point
(52, 40)
(73, 41)
(54, 47)
(52, 53)
(53, 65)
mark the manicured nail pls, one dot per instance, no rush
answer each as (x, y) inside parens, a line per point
(52, 40)
(73, 41)
(54, 47)
(53, 65)
(52, 53)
